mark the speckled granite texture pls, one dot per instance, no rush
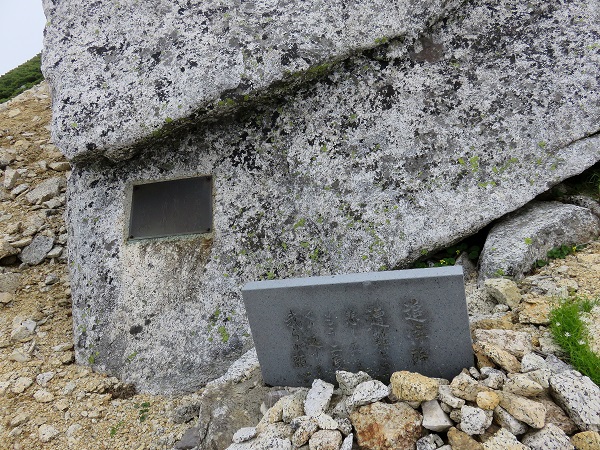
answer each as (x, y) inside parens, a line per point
(389, 154)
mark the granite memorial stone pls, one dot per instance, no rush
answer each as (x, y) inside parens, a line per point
(378, 322)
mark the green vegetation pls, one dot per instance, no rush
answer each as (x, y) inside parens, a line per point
(20, 79)
(570, 333)
(447, 257)
(143, 410)
(559, 253)
(115, 428)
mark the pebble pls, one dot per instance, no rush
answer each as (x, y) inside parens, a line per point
(47, 432)
(43, 378)
(548, 438)
(21, 385)
(43, 396)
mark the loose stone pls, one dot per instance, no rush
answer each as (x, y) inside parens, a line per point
(465, 387)
(348, 441)
(521, 384)
(43, 396)
(474, 420)
(244, 434)
(367, 392)
(501, 357)
(517, 343)
(434, 418)
(304, 427)
(460, 440)
(47, 432)
(445, 395)
(487, 400)
(318, 397)
(505, 420)
(410, 386)
(504, 291)
(586, 440)
(548, 438)
(504, 440)
(348, 381)
(21, 384)
(531, 362)
(579, 397)
(325, 440)
(528, 411)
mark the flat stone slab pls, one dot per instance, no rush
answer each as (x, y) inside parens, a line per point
(378, 322)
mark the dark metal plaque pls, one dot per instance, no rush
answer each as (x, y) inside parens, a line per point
(379, 322)
(171, 208)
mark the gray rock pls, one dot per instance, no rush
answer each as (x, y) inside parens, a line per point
(236, 53)
(11, 177)
(348, 441)
(367, 392)
(244, 434)
(548, 438)
(434, 418)
(37, 251)
(502, 440)
(474, 420)
(555, 365)
(579, 397)
(518, 241)
(507, 421)
(516, 343)
(192, 438)
(318, 398)
(493, 378)
(7, 250)
(325, 440)
(429, 442)
(363, 158)
(532, 361)
(348, 380)
(505, 292)
(445, 395)
(19, 189)
(46, 190)
(585, 202)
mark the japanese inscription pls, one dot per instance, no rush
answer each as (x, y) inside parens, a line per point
(380, 323)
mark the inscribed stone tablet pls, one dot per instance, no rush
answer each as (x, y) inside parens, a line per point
(377, 322)
(170, 208)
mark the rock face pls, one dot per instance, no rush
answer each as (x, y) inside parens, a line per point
(348, 173)
(198, 58)
(517, 242)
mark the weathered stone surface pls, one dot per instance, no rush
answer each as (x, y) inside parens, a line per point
(579, 397)
(244, 434)
(503, 440)
(9, 282)
(413, 387)
(36, 252)
(318, 397)
(504, 291)
(487, 400)
(518, 241)
(531, 362)
(293, 406)
(586, 440)
(465, 387)
(304, 427)
(493, 378)
(46, 190)
(528, 411)
(445, 395)
(304, 187)
(474, 420)
(501, 357)
(382, 426)
(460, 440)
(521, 384)
(225, 51)
(7, 249)
(517, 343)
(347, 381)
(325, 440)
(47, 432)
(429, 442)
(505, 420)
(348, 441)
(536, 313)
(434, 418)
(548, 438)
(556, 416)
(367, 392)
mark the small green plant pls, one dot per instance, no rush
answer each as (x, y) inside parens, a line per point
(570, 333)
(528, 241)
(560, 252)
(224, 334)
(115, 428)
(143, 410)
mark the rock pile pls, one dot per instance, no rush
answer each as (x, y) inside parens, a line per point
(537, 408)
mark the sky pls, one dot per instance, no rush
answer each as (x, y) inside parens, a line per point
(21, 30)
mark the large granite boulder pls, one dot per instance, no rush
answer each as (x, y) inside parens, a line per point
(391, 153)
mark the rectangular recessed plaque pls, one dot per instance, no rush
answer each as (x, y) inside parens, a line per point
(379, 322)
(171, 208)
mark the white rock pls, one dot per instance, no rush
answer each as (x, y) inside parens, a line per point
(326, 422)
(19, 419)
(47, 432)
(344, 425)
(23, 331)
(504, 440)
(348, 380)
(434, 418)
(445, 395)
(505, 420)
(532, 361)
(367, 392)
(494, 378)
(43, 396)
(19, 356)
(43, 378)
(244, 434)
(541, 377)
(21, 384)
(474, 420)
(347, 444)
(548, 438)
(429, 442)
(11, 177)
(579, 397)
(318, 397)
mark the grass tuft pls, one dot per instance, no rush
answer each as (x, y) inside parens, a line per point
(570, 333)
